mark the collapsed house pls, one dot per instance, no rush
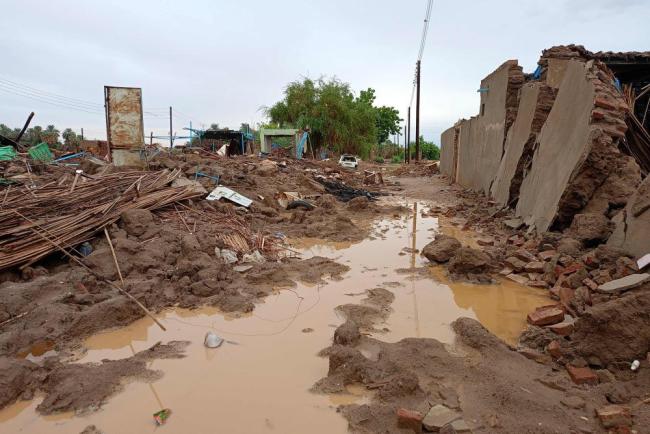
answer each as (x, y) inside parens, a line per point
(571, 138)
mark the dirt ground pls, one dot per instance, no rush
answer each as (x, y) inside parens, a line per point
(48, 308)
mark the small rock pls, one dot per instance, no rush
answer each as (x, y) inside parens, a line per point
(485, 241)
(516, 263)
(409, 419)
(554, 349)
(307, 330)
(439, 416)
(605, 376)
(591, 228)
(569, 246)
(227, 256)
(574, 402)
(441, 249)
(612, 416)
(518, 278)
(625, 283)
(468, 260)
(460, 426)
(525, 255)
(534, 267)
(255, 257)
(515, 223)
(242, 268)
(535, 355)
(547, 255)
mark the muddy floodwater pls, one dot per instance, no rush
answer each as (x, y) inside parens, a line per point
(259, 379)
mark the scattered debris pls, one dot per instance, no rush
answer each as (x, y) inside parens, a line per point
(224, 192)
(212, 340)
(160, 417)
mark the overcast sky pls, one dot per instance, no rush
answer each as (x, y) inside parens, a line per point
(220, 61)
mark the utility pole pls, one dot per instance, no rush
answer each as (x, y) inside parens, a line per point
(405, 139)
(417, 115)
(82, 134)
(171, 137)
(408, 144)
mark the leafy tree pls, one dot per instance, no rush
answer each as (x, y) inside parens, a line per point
(429, 150)
(50, 135)
(70, 138)
(335, 117)
(388, 121)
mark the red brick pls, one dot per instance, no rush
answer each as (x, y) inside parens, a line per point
(554, 349)
(603, 103)
(565, 328)
(566, 295)
(582, 375)
(572, 268)
(534, 267)
(409, 419)
(546, 315)
(547, 255)
(525, 255)
(597, 115)
(614, 416)
(590, 284)
(515, 263)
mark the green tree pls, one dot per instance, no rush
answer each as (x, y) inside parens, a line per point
(335, 117)
(70, 138)
(388, 121)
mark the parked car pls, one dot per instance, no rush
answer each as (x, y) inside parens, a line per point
(348, 160)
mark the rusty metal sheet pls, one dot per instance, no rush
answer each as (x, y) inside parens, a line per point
(124, 124)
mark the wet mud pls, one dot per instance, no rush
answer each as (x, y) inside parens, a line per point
(260, 379)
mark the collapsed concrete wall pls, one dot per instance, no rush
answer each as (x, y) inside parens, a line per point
(560, 137)
(536, 101)
(563, 145)
(478, 163)
(632, 231)
(447, 151)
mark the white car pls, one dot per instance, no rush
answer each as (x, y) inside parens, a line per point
(348, 160)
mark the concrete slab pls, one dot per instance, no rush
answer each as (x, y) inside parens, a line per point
(517, 138)
(447, 152)
(563, 146)
(439, 416)
(624, 283)
(632, 232)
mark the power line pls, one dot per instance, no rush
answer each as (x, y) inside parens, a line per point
(423, 41)
(57, 104)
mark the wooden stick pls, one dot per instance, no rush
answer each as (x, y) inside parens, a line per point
(117, 265)
(13, 319)
(97, 275)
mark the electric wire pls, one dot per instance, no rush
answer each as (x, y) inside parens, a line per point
(423, 42)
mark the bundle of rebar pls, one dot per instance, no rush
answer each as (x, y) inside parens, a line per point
(67, 213)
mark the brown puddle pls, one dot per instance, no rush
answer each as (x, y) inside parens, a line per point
(259, 380)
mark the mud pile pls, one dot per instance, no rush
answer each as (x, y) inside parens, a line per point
(189, 254)
(421, 383)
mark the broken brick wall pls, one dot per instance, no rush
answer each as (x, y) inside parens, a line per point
(561, 152)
